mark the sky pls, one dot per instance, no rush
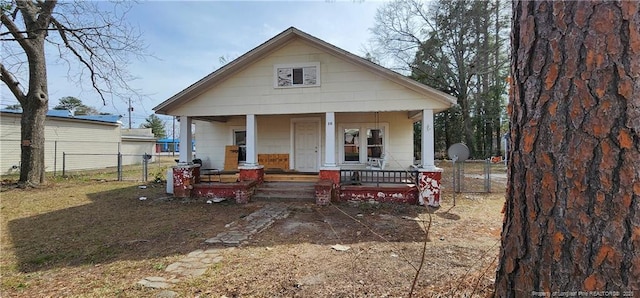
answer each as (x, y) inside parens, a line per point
(187, 38)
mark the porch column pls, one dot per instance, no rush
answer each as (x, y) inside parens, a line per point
(428, 139)
(252, 156)
(251, 170)
(430, 175)
(330, 140)
(186, 139)
(328, 188)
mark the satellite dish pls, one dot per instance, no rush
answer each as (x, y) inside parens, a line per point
(458, 152)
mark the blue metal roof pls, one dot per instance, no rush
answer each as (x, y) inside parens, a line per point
(67, 115)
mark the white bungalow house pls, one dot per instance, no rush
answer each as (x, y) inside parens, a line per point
(324, 109)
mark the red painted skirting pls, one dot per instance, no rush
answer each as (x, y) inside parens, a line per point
(429, 183)
(328, 189)
(240, 191)
(184, 178)
(395, 194)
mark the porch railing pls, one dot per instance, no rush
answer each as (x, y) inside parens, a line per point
(356, 177)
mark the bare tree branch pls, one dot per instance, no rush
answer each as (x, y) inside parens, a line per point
(13, 29)
(50, 29)
(12, 83)
(62, 30)
(99, 41)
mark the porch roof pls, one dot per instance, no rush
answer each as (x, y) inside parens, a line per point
(278, 42)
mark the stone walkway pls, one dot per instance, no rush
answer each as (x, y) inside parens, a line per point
(197, 262)
(251, 224)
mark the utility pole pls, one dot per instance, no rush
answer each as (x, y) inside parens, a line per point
(173, 136)
(130, 110)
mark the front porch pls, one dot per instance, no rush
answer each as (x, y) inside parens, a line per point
(329, 185)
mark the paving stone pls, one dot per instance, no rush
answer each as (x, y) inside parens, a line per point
(195, 272)
(173, 267)
(189, 259)
(197, 262)
(167, 294)
(211, 251)
(212, 260)
(196, 253)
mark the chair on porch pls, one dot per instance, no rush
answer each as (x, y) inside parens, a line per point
(377, 163)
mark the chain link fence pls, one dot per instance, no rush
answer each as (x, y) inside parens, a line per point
(474, 176)
(140, 167)
(104, 160)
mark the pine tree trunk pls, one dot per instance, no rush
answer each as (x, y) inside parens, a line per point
(572, 219)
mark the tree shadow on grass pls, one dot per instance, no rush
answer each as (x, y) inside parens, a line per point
(346, 223)
(116, 225)
(447, 214)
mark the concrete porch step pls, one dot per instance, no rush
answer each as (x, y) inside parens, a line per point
(285, 190)
(290, 177)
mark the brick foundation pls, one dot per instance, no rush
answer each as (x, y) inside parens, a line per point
(328, 186)
(330, 175)
(184, 178)
(324, 192)
(243, 195)
(240, 191)
(429, 187)
(255, 173)
(389, 194)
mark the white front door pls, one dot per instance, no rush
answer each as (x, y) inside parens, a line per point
(306, 146)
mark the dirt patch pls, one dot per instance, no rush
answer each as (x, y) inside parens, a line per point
(98, 239)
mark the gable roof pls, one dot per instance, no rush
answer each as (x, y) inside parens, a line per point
(280, 41)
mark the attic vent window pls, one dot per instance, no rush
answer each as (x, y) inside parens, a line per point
(297, 75)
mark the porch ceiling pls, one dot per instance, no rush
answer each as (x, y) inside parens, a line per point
(222, 119)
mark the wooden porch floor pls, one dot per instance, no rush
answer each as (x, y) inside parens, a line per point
(268, 177)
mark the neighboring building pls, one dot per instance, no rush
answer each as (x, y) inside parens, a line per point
(136, 142)
(88, 141)
(322, 107)
(171, 145)
(167, 145)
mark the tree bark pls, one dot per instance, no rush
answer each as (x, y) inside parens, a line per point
(572, 219)
(34, 113)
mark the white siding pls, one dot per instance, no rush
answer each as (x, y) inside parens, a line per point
(345, 87)
(274, 136)
(9, 143)
(132, 151)
(69, 136)
(211, 139)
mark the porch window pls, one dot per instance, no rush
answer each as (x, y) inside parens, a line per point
(375, 143)
(297, 75)
(362, 141)
(240, 140)
(352, 145)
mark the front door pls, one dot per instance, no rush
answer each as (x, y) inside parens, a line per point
(306, 146)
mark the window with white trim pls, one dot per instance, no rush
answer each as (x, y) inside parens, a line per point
(375, 143)
(351, 142)
(240, 140)
(357, 147)
(297, 75)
